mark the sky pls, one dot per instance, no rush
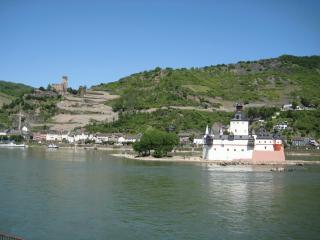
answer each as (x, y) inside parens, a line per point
(99, 41)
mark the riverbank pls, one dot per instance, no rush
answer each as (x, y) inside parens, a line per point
(129, 148)
(189, 156)
(196, 159)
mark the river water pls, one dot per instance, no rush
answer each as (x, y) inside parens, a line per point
(68, 194)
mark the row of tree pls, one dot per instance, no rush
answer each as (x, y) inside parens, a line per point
(157, 142)
(14, 138)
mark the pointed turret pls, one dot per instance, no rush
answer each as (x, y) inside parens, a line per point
(207, 130)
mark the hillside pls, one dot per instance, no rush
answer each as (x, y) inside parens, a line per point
(74, 111)
(48, 110)
(185, 99)
(10, 91)
(270, 82)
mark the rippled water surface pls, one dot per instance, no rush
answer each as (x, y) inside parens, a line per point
(68, 194)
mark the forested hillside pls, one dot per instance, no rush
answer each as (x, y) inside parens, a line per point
(269, 81)
(14, 89)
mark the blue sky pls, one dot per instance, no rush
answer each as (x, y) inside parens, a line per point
(95, 41)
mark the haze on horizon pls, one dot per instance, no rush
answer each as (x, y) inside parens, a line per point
(101, 41)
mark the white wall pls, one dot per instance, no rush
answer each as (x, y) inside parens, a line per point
(264, 144)
(198, 141)
(239, 127)
(53, 137)
(227, 150)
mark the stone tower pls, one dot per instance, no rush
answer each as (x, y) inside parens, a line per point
(64, 84)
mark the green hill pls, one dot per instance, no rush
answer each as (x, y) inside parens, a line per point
(271, 81)
(10, 91)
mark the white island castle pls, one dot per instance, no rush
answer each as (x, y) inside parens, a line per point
(238, 145)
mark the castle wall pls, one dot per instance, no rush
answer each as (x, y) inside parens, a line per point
(61, 87)
(268, 156)
(264, 145)
(228, 150)
(239, 127)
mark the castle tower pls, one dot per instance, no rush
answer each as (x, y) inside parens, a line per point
(64, 84)
(239, 124)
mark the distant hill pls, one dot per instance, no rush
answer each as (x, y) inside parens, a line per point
(266, 82)
(10, 91)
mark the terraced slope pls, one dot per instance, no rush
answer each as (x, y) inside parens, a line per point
(77, 112)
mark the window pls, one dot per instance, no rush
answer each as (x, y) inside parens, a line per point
(242, 150)
(234, 150)
(214, 149)
(265, 147)
(227, 149)
(265, 141)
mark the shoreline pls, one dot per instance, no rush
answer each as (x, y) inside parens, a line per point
(128, 153)
(194, 159)
(129, 148)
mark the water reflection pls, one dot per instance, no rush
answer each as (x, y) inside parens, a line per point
(73, 154)
(244, 196)
(85, 194)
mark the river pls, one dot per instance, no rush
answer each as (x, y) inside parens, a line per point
(78, 194)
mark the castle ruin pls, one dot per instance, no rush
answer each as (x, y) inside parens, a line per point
(61, 87)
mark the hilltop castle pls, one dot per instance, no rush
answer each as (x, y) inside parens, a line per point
(61, 87)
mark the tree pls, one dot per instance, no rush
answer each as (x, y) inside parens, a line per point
(294, 104)
(159, 141)
(305, 102)
(16, 138)
(72, 91)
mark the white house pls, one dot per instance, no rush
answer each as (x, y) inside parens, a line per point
(64, 136)
(53, 137)
(130, 140)
(281, 126)
(122, 140)
(39, 137)
(3, 133)
(286, 107)
(24, 129)
(101, 138)
(198, 141)
(70, 139)
(82, 137)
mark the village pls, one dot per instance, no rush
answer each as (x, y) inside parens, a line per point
(81, 136)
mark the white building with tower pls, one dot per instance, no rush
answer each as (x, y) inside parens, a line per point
(239, 144)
